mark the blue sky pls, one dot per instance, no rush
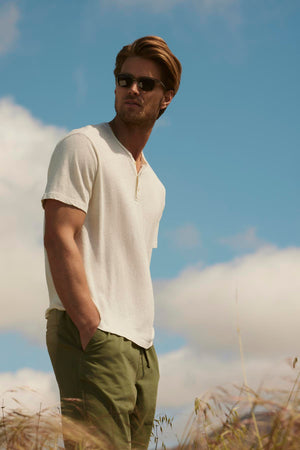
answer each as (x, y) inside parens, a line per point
(227, 151)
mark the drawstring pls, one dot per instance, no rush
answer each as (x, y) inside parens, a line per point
(146, 357)
(143, 352)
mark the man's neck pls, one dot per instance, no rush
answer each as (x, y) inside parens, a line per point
(133, 137)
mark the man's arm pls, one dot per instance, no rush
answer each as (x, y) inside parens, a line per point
(62, 224)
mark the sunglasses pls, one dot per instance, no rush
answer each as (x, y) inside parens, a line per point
(126, 80)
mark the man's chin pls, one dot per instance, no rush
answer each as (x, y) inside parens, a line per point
(133, 118)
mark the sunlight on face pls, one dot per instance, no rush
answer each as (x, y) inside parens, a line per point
(131, 103)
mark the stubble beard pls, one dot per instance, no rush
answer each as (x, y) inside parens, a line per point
(136, 118)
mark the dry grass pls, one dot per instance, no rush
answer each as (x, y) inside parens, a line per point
(267, 420)
(43, 431)
(220, 421)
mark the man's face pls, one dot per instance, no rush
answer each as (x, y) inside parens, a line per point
(135, 106)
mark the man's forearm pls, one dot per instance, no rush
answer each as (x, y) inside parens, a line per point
(70, 282)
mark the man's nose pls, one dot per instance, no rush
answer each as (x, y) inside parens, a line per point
(134, 87)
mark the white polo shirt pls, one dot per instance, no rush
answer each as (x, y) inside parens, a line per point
(91, 170)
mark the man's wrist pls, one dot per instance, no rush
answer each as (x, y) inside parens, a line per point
(91, 321)
(88, 322)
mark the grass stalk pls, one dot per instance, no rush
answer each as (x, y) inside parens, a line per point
(245, 375)
(37, 428)
(3, 422)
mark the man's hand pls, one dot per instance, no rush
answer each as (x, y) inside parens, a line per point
(62, 225)
(87, 333)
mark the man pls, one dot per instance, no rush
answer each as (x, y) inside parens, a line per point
(103, 204)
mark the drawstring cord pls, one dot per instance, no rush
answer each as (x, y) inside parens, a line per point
(143, 352)
(146, 357)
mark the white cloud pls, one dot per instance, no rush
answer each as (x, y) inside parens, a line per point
(187, 373)
(185, 237)
(26, 146)
(9, 18)
(201, 305)
(29, 390)
(247, 240)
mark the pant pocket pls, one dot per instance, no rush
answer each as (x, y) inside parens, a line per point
(67, 331)
(53, 320)
(97, 340)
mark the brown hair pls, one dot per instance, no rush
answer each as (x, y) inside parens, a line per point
(156, 49)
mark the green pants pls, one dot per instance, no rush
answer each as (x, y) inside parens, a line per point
(114, 380)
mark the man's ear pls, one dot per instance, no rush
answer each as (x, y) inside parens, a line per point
(167, 98)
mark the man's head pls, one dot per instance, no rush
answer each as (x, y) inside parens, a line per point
(155, 49)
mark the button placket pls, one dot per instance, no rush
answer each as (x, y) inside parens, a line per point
(137, 188)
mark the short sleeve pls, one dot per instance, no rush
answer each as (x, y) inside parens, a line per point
(72, 170)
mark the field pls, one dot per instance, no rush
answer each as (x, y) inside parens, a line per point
(266, 420)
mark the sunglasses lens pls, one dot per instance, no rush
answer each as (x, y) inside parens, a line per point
(124, 80)
(146, 84)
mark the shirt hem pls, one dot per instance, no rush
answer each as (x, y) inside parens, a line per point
(62, 198)
(144, 343)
